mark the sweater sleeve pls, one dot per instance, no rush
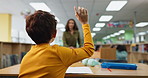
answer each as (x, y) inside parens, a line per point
(69, 56)
(79, 40)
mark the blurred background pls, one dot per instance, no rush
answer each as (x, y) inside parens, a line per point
(111, 21)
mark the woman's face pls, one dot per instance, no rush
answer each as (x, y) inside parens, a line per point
(71, 24)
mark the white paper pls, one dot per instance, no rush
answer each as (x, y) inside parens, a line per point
(79, 70)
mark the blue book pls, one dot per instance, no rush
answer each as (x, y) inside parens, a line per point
(127, 66)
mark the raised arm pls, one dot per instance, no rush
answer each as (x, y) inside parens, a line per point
(69, 56)
(79, 40)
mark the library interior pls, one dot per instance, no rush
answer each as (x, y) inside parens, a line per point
(118, 30)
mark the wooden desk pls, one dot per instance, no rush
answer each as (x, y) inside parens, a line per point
(142, 72)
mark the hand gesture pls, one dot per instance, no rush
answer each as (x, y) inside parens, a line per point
(81, 14)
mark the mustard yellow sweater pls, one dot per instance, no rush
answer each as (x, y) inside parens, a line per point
(45, 61)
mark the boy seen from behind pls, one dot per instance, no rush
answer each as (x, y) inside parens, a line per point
(46, 61)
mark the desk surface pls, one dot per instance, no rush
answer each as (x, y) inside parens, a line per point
(97, 70)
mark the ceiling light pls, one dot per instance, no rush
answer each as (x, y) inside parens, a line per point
(116, 34)
(142, 24)
(93, 34)
(40, 6)
(115, 5)
(60, 26)
(100, 25)
(96, 29)
(106, 18)
(108, 36)
(122, 31)
(104, 38)
(142, 33)
(112, 35)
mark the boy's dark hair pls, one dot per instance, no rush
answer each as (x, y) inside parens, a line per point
(121, 48)
(75, 25)
(41, 26)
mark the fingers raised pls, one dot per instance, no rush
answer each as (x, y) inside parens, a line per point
(75, 9)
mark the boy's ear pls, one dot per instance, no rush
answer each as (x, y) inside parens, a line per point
(54, 35)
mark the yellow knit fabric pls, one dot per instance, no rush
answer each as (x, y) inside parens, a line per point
(45, 61)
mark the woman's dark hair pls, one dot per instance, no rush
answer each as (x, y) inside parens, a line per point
(121, 48)
(75, 25)
(40, 26)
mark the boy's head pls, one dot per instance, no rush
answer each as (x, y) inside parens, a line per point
(41, 26)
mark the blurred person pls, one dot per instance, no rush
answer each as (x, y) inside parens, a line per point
(71, 36)
(121, 52)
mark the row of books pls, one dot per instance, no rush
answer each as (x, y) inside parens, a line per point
(11, 59)
(140, 48)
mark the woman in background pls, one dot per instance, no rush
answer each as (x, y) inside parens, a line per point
(71, 36)
(121, 53)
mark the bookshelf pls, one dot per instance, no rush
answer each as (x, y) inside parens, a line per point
(109, 45)
(13, 48)
(10, 48)
(133, 55)
(140, 47)
(25, 47)
(105, 53)
(138, 52)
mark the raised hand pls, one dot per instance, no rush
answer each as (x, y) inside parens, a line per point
(81, 14)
